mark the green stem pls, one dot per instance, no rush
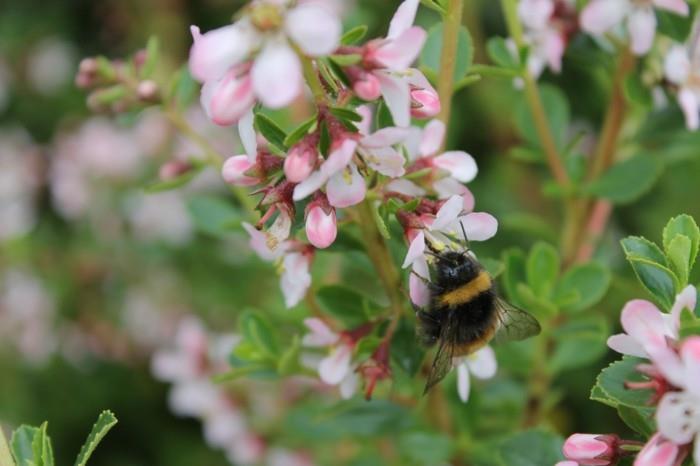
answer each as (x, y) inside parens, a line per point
(313, 80)
(448, 57)
(378, 252)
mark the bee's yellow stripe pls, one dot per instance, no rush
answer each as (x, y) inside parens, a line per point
(468, 291)
(475, 345)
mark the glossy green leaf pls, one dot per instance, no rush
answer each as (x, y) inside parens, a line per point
(345, 114)
(627, 181)
(289, 360)
(104, 423)
(41, 447)
(258, 331)
(354, 35)
(679, 252)
(587, 282)
(500, 54)
(432, 51)
(674, 26)
(21, 445)
(541, 308)
(683, 225)
(270, 131)
(636, 246)
(641, 420)
(514, 261)
(152, 56)
(610, 385)
(636, 91)
(342, 303)
(657, 279)
(300, 131)
(579, 342)
(542, 269)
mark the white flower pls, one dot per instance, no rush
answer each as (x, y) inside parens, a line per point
(681, 70)
(481, 364)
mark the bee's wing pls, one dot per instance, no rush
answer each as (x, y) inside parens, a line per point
(514, 323)
(442, 363)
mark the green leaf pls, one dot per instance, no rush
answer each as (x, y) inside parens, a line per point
(532, 448)
(342, 303)
(345, 114)
(300, 131)
(514, 261)
(579, 342)
(683, 225)
(610, 385)
(493, 266)
(213, 215)
(675, 26)
(21, 445)
(639, 247)
(636, 91)
(404, 351)
(558, 113)
(104, 423)
(539, 307)
(588, 282)
(679, 251)
(627, 181)
(425, 447)
(324, 142)
(354, 35)
(244, 370)
(384, 118)
(258, 331)
(495, 71)
(346, 60)
(152, 55)
(5, 454)
(657, 279)
(641, 420)
(500, 54)
(41, 447)
(289, 361)
(434, 5)
(379, 220)
(542, 269)
(183, 88)
(432, 50)
(270, 131)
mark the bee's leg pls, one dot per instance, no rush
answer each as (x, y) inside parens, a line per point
(431, 286)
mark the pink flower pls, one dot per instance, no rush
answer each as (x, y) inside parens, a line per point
(659, 451)
(271, 244)
(425, 101)
(301, 160)
(599, 16)
(566, 463)
(321, 225)
(682, 71)
(592, 450)
(296, 279)
(253, 58)
(184, 360)
(647, 331)
(481, 364)
(336, 368)
(545, 33)
(234, 169)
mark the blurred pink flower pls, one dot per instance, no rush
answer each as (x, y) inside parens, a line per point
(681, 70)
(599, 16)
(296, 278)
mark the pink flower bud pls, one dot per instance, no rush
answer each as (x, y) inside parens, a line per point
(367, 87)
(234, 170)
(225, 101)
(173, 169)
(591, 449)
(321, 225)
(300, 162)
(425, 103)
(147, 90)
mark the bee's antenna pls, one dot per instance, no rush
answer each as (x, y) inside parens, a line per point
(464, 232)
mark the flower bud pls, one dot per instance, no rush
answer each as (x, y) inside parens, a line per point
(234, 170)
(173, 169)
(225, 101)
(147, 91)
(591, 449)
(321, 224)
(300, 162)
(425, 103)
(367, 87)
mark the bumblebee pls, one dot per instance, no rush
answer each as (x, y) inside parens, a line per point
(465, 312)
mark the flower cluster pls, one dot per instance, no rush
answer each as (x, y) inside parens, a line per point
(189, 365)
(671, 374)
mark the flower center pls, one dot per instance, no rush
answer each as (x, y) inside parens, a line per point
(266, 16)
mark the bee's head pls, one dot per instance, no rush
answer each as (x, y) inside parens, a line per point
(456, 267)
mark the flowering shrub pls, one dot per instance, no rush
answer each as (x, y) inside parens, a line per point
(306, 148)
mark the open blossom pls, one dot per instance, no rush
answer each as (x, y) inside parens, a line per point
(254, 58)
(439, 226)
(684, 71)
(659, 451)
(336, 368)
(599, 16)
(481, 364)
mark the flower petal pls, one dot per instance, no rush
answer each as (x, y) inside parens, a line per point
(600, 15)
(690, 354)
(246, 131)
(686, 299)
(384, 137)
(676, 417)
(657, 452)
(346, 188)
(226, 100)
(418, 289)
(460, 165)
(321, 228)
(432, 137)
(415, 250)
(387, 161)
(277, 76)
(679, 7)
(296, 279)
(349, 385)
(585, 448)
(642, 27)
(483, 363)
(310, 185)
(479, 226)
(335, 367)
(448, 213)
(214, 52)
(403, 18)
(625, 344)
(339, 158)
(403, 186)
(691, 108)
(677, 65)
(398, 53)
(321, 334)
(463, 382)
(315, 29)
(396, 96)
(535, 14)
(233, 171)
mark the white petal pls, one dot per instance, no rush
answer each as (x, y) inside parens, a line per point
(314, 28)
(479, 226)
(310, 185)
(686, 299)
(277, 76)
(249, 139)
(448, 213)
(335, 367)
(296, 278)
(677, 417)
(463, 382)
(339, 158)
(600, 15)
(460, 165)
(418, 289)
(642, 27)
(398, 54)
(396, 96)
(349, 385)
(433, 135)
(677, 65)
(403, 186)
(625, 344)
(346, 188)
(214, 52)
(691, 108)
(415, 250)
(387, 161)
(384, 137)
(690, 353)
(482, 363)
(535, 14)
(403, 18)
(321, 334)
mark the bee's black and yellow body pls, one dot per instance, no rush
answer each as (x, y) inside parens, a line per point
(463, 294)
